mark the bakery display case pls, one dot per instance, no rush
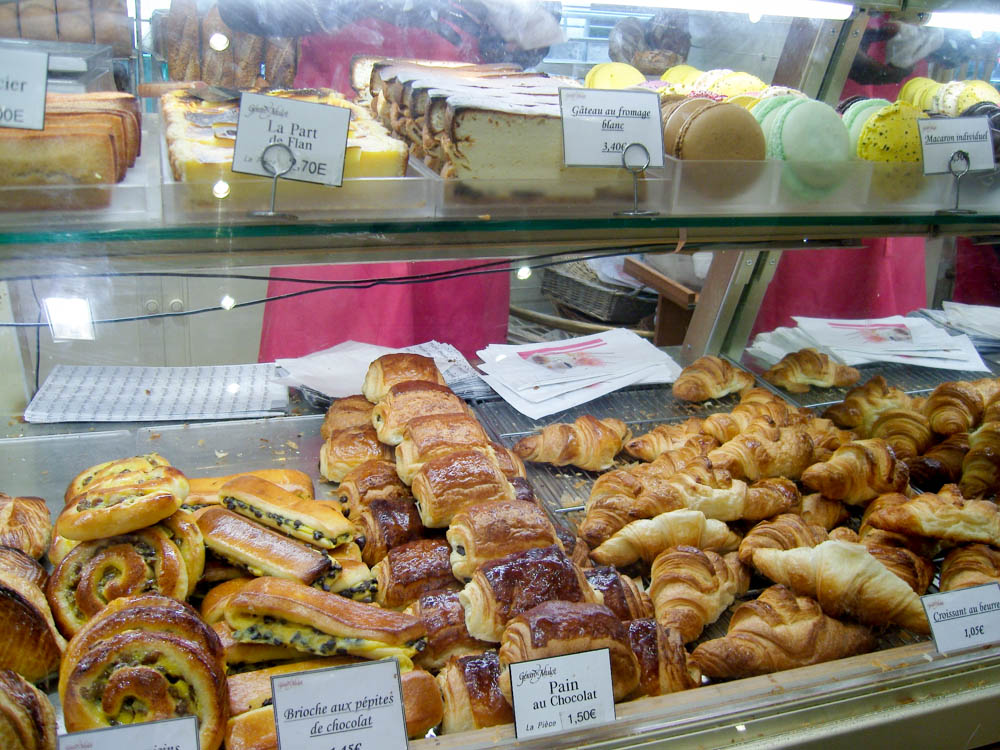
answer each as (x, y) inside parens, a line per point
(454, 156)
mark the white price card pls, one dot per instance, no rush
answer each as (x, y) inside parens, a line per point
(316, 135)
(562, 693)
(964, 618)
(354, 707)
(169, 734)
(23, 77)
(941, 137)
(599, 125)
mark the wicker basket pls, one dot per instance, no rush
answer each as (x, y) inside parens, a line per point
(578, 287)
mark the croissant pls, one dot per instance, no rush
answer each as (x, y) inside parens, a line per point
(907, 431)
(668, 463)
(348, 413)
(785, 531)
(691, 588)
(778, 631)
(25, 524)
(589, 443)
(826, 437)
(955, 406)
(620, 593)
(30, 643)
(858, 472)
(646, 538)
(664, 665)
(846, 581)
(862, 405)
(27, 718)
(945, 515)
(941, 464)
(663, 438)
(15, 562)
(807, 367)
(971, 565)
(981, 465)
(710, 377)
(765, 451)
(991, 410)
(819, 510)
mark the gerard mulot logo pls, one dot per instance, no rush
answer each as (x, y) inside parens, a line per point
(536, 673)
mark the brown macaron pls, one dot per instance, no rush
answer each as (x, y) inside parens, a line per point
(719, 131)
(675, 115)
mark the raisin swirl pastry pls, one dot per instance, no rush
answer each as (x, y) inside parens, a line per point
(27, 719)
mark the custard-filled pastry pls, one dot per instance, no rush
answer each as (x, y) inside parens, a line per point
(664, 665)
(437, 435)
(784, 531)
(558, 628)
(348, 449)
(470, 687)
(447, 636)
(27, 718)
(764, 451)
(242, 657)
(944, 515)
(487, 531)
(502, 589)
(372, 480)
(981, 465)
(970, 565)
(907, 431)
(864, 403)
(390, 369)
(620, 593)
(25, 524)
(646, 538)
(413, 569)
(941, 464)
(409, 399)
(669, 439)
(858, 472)
(385, 524)
(99, 571)
(779, 631)
(691, 588)
(511, 465)
(444, 486)
(847, 581)
(59, 548)
(710, 377)
(14, 562)
(117, 503)
(205, 490)
(30, 643)
(588, 443)
(797, 371)
(347, 413)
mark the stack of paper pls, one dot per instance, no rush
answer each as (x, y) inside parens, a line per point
(980, 322)
(910, 341)
(542, 379)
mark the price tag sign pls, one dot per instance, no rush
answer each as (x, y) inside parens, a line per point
(599, 125)
(170, 734)
(941, 137)
(315, 133)
(23, 76)
(562, 693)
(354, 707)
(964, 618)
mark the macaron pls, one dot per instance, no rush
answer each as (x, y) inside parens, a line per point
(673, 117)
(857, 115)
(846, 103)
(719, 131)
(976, 91)
(945, 101)
(811, 137)
(737, 82)
(891, 138)
(763, 109)
(709, 78)
(681, 74)
(613, 75)
(913, 88)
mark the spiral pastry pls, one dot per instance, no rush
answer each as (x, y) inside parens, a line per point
(96, 572)
(27, 719)
(95, 475)
(184, 532)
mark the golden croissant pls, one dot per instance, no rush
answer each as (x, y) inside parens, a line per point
(646, 538)
(863, 404)
(710, 377)
(858, 472)
(752, 408)
(826, 437)
(822, 511)
(981, 465)
(589, 443)
(797, 371)
(765, 451)
(971, 565)
(784, 531)
(907, 431)
(957, 406)
(663, 438)
(944, 515)
(941, 464)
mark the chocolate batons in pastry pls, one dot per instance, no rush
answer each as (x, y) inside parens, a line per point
(385, 524)
(372, 480)
(646, 538)
(470, 688)
(797, 371)
(442, 614)
(778, 631)
(27, 718)
(355, 581)
(785, 531)
(620, 593)
(390, 369)
(487, 531)
(348, 413)
(444, 486)
(241, 657)
(250, 690)
(710, 377)
(664, 666)
(435, 436)
(213, 606)
(25, 523)
(205, 490)
(504, 588)
(575, 548)
(278, 611)
(970, 565)
(858, 472)
(557, 628)
(409, 399)
(588, 443)
(413, 569)
(944, 515)
(268, 504)
(347, 449)
(30, 643)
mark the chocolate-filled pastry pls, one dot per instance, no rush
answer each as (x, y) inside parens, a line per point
(346, 413)
(268, 504)
(282, 612)
(522, 489)
(664, 666)
(413, 569)
(621, 594)
(242, 657)
(205, 490)
(218, 570)
(372, 480)
(471, 691)
(574, 546)
(389, 369)
(430, 437)
(213, 606)
(588, 443)
(444, 486)
(17, 563)
(558, 628)
(25, 524)
(442, 614)
(27, 718)
(348, 449)
(486, 531)
(30, 643)
(260, 551)
(385, 524)
(355, 581)
(502, 589)
(941, 464)
(511, 465)
(250, 690)
(409, 399)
